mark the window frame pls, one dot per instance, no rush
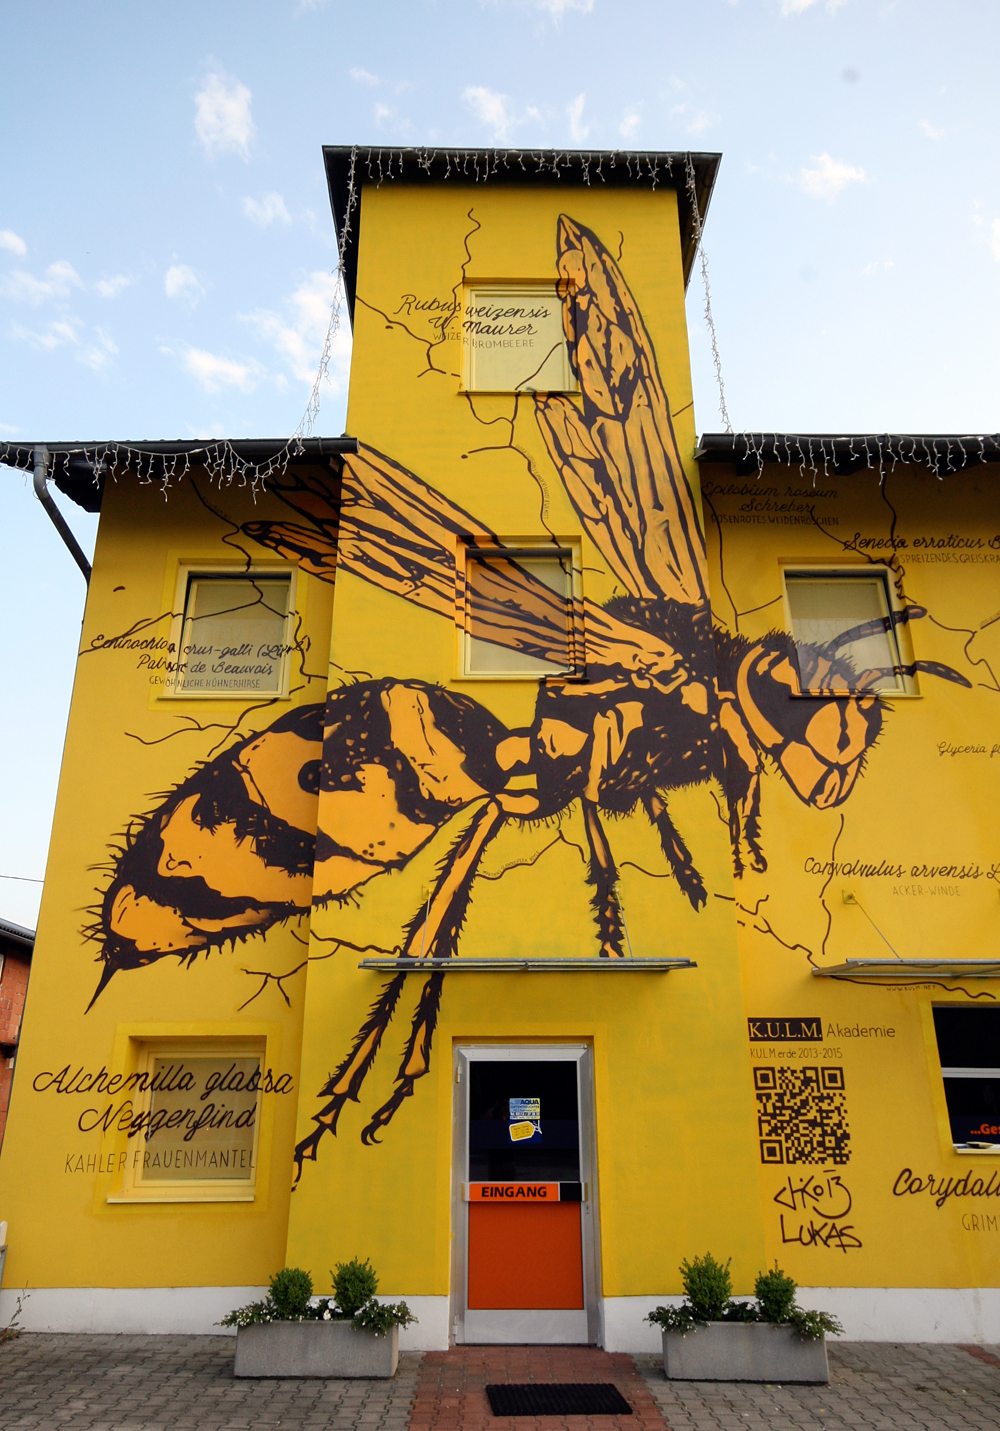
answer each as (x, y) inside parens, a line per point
(482, 550)
(143, 1051)
(944, 1073)
(898, 633)
(194, 570)
(474, 289)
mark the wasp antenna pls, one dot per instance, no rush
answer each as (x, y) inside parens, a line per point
(946, 673)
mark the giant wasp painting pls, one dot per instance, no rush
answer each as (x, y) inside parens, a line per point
(664, 699)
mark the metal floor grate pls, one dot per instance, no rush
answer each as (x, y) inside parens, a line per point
(582, 1398)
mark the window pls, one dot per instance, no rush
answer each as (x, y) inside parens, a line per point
(968, 1042)
(844, 633)
(514, 339)
(233, 638)
(195, 1119)
(520, 611)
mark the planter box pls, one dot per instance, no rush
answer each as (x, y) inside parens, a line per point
(314, 1349)
(743, 1351)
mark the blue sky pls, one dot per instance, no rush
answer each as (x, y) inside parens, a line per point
(166, 244)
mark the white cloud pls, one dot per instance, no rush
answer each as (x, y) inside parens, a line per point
(56, 335)
(299, 333)
(360, 76)
(577, 129)
(829, 177)
(930, 131)
(382, 113)
(111, 287)
(489, 108)
(182, 282)
(701, 121)
(222, 119)
(558, 8)
(995, 239)
(67, 333)
(13, 242)
(215, 372)
(630, 122)
(266, 209)
(796, 7)
(97, 356)
(60, 277)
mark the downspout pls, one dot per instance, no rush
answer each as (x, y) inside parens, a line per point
(55, 516)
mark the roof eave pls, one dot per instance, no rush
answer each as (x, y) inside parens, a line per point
(843, 453)
(77, 468)
(618, 168)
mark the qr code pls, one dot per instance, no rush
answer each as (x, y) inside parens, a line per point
(802, 1114)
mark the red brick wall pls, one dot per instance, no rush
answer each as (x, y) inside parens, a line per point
(13, 987)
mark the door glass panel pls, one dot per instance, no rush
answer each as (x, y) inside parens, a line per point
(523, 1122)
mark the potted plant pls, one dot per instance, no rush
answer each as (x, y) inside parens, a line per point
(711, 1337)
(291, 1333)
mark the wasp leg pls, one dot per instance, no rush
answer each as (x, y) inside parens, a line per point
(417, 1058)
(677, 853)
(435, 933)
(751, 826)
(346, 1082)
(603, 875)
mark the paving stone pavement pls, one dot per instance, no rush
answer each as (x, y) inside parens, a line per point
(73, 1382)
(883, 1385)
(143, 1383)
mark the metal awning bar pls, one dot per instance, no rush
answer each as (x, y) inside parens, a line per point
(908, 971)
(569, 965)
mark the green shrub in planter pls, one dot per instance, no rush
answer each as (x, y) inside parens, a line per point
(708, 1285)
(354, 1285)
(775, 1295)
(291, 1290)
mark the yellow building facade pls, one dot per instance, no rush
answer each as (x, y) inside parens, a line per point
(517, 842)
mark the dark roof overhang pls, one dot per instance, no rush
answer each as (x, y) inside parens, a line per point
(78, 469)
(844, 453)
(16, 934)
(347, 164)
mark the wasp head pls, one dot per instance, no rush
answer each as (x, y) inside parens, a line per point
(818, 741)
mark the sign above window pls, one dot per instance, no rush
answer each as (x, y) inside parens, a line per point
(515, 339)
(234, 635)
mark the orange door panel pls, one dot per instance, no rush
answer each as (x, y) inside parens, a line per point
(525, 1257)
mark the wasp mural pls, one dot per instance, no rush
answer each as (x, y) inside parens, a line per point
(667, 699)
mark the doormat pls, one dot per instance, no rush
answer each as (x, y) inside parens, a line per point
(584, 1398)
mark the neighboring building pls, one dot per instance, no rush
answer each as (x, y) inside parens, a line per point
(653, 905)
(15, 966)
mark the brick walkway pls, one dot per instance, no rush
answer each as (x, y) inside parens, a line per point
(126, 1383)
(450, 1391)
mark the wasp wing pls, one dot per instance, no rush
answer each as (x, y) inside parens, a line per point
(392, 529)
(619, 459)
(403, 535)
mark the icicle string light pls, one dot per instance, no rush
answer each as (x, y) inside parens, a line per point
(941, 455)
(709, 321)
